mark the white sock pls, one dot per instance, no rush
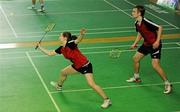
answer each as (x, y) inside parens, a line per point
(33, 6)
(42, 5)
(136, 75)
(166, 82)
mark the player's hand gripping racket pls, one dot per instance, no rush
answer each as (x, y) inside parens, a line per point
(49, 28)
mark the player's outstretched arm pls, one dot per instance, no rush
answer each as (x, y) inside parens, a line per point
(81, 35)
(46, 51)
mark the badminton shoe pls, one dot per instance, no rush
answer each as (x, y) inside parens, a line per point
(106, 103)
(133, 79)
(42, 9)
(56, 85)
(167, 88)
(31, 7)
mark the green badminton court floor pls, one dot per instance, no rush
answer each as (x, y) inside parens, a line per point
(25, 73)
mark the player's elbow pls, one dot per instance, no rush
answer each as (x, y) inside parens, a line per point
(50, 53)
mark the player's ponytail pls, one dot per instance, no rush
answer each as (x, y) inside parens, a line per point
(73, 37)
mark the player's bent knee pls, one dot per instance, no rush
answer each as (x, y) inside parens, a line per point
(135, 59)
(63, 73)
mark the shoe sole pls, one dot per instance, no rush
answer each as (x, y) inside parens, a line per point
(170, 90)
(107, 106)
(139, 81)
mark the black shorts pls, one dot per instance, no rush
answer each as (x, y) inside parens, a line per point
(87, 68)
(155, 53)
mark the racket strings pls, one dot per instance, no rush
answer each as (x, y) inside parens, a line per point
(115, 53)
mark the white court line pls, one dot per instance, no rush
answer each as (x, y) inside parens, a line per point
(64, 13)
(113, 87)
(10, 1)
(92, 29)
(42, 81)
(153, 15)
(88, 48)
(92, 33)
(96, 52)
(9, 23)
(104, 52)
(117, 8)
(178, 43)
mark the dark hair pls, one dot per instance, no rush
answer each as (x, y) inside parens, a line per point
(141, 9)
(69, 36)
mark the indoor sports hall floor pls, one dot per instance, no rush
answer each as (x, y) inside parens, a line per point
(25, 73)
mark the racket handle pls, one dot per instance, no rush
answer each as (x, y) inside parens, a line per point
(36, 47)
(37, 44)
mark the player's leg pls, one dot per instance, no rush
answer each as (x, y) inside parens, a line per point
(69, 70)
(33, 5)
(42, 6)
(157, 67)
(136, 62)
(98, 89)
(33, 2)
(156, 55)
(136, 65)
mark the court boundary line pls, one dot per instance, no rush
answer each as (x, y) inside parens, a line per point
(75, 12)
(154, 15)
(102, 52)
(119, 9)
(24, 1)
(9, 23)
(87, 40)
(92, 33)
(95, 52)
(91, 29)
(112, 87)
(178, 44)
(42, 81)
(101, 47)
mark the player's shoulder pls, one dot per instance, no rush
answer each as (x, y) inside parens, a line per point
(71, 44)
(58, 50)
(149, 21)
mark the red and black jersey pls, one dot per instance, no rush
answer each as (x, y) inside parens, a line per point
(72, 53)
(148, 30)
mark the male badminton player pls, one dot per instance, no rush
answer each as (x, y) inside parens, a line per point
(81, 64)
(151, 33)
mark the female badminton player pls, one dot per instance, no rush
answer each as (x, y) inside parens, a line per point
(81, 64)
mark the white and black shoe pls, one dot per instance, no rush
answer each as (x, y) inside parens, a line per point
(31, 8)
(133, 79)
(106, 103)
(42, 9)
(56, 85)
(167, 88)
